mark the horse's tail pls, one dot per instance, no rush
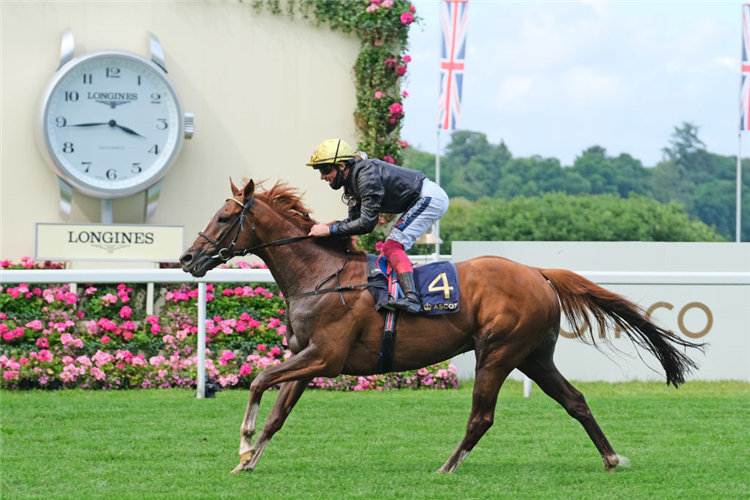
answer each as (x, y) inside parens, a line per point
(579, 296)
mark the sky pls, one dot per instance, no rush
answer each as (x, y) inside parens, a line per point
(554, 78)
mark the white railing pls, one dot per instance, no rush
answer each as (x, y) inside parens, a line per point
(263, 275)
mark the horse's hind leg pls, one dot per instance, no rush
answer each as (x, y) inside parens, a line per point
(489, 378)
(543, 371)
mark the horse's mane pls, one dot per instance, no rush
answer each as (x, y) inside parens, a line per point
(287, 200)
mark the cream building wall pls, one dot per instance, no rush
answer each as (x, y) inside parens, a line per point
(265, 90)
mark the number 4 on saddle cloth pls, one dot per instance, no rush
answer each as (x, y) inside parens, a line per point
(437, 283)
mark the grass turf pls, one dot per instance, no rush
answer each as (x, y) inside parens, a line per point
(691, 443)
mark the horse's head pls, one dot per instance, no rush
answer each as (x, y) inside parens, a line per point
(224, 235)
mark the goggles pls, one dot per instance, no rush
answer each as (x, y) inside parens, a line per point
(325, 168)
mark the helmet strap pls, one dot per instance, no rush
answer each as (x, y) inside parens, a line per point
(338, 181)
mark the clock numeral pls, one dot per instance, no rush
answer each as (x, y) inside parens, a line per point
(111, 174)
(87, 164)
(60, 121)
(113, 72)
(155, 149)
(155, 98)
(139, 79)
(87, 78)
(136, 168)
(68, 147)
(161, 124)
(71, 95)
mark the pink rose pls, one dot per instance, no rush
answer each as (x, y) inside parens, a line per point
(372, 8)
(412, 8)
(262, 347)
(401, 70)
(403, 144)
(36, 325)
(406, 58)
(389, 159)
(105, 339)
(378, 95)
(126, 312)
(245, 369)
(407, 18)
(42, 342)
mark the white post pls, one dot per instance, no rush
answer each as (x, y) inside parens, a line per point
(149, 298)
(107, 211)
(738, 236)
(201, 377)
(526, 387)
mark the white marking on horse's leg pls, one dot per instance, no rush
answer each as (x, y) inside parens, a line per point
(461, 456)
(248, 428)
(260, 445)
(453, 463)
(624, 461)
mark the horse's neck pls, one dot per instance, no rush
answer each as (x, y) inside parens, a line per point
(296, 267)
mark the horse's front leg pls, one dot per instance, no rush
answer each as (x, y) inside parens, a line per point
(288, 396)
(300, 369)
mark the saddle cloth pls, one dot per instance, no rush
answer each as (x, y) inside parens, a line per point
(437, 283)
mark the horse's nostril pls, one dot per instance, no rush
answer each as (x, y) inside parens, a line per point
(186, 259)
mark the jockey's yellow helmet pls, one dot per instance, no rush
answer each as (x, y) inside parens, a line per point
(331, 151)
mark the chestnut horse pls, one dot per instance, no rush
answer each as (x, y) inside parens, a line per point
(509, 315)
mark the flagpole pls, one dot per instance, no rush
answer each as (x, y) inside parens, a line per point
(738, 203)
(436, 230)
(739, 188)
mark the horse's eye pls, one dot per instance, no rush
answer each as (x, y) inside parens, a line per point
(223, 219)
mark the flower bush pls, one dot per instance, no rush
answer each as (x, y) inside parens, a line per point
(100, 337)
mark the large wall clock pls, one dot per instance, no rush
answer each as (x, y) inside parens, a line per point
(110, 123)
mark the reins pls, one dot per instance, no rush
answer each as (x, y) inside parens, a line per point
(241, 227)
(240, 223)
(339, 288)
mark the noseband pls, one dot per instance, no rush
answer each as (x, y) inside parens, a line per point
(226, 253)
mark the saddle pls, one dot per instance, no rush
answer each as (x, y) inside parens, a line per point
(437, 283)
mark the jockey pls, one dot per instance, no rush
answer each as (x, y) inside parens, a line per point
(373, 186)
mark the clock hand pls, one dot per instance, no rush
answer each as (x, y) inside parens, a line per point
(86, 124)
(124, 129)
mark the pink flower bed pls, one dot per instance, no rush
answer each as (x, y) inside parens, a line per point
(99, 337)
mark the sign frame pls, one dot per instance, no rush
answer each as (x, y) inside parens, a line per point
(109, 257)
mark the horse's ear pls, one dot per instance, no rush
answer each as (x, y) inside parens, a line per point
(249, 190)
(235, 190)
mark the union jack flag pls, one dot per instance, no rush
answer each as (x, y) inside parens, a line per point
(745, 87)
(453, 14)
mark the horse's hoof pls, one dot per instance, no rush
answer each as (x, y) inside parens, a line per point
(245, 459)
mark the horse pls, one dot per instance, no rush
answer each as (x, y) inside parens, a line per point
(509, 315)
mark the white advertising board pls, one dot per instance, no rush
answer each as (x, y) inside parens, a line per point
(715, 314)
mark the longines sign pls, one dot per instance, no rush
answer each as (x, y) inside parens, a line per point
(108, 242)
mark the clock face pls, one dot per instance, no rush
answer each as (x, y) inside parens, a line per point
(112, 123)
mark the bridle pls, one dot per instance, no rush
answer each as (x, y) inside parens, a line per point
(226, 253)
